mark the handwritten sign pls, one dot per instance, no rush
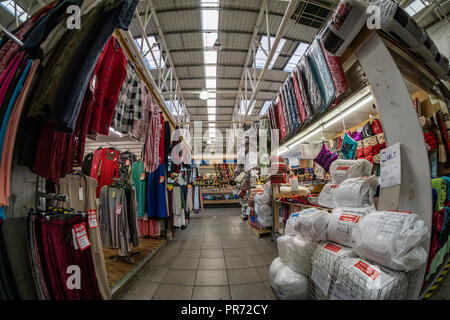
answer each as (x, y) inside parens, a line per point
(390, 166)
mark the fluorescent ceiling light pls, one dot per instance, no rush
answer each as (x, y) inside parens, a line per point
(265, 108)
(12, 6)
(352, 109)
(261, 58)
(298, 53)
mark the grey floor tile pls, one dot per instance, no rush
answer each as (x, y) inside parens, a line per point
(140, 290)
(254, 291)
(211, 293)
(233, 244)
(212, 253)
(180, 277)
(235, 252)
(243, 276)
(211, 263)
(263, 259)
(212, 245)
(155, 274)
(189, 253)
(238, 263)
(185, 263)
(173, 292)
(211, 278)
(263, 272)
(253, 251)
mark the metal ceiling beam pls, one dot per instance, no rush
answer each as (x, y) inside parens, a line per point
(219, 91)
(249, 54)
(223, 78)
(290, 8)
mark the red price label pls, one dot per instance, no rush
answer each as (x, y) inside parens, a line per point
(119, 209)
(81, 236)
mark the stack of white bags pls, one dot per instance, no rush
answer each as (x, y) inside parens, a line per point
(263, 207)
(355, 253)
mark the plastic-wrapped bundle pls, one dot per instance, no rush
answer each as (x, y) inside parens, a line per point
(296, 252)
(347, 20)
(312, 90)
(273, 117)
(312, 225)
(293, 106)
(392, 239)
(356, 192)
(324, 268)
(321, 74)
(281, 120)
(301, 94)
(287, 284)
(398, 24)
(336, 71)
(357, 279)
(286, 113)
(266, 222)
(327, 196)
(341, 170)
(341, 225)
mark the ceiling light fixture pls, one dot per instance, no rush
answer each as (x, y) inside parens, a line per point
(204, 95)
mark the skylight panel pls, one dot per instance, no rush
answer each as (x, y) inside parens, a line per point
(298, 53)
(148, 58)
(210, 83)
(243, 106)
(210, 57)
(210, 19)
(13, 7)
(414, 7)
(261, 57)
(265, 108)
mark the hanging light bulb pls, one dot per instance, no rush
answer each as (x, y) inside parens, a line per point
(204, 95)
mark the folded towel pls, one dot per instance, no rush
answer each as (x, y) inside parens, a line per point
(441, 188)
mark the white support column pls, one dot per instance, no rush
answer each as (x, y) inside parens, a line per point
(400, 124)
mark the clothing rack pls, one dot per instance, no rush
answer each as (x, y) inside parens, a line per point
(11, 36)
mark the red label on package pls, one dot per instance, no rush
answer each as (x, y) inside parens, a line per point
(92, 219)
(119, 209)
(332, 247)
(81, 236)
(345, 168)
(368, 270)
(349, 217)
(334, 186)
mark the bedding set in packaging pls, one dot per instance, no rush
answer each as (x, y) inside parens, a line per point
(287, 284)
(296, 252)
(263, 207)
(341, 224)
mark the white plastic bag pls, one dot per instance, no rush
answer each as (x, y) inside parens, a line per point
(357, 279)
(287, 284)
(341, 224)
(342, 169)
(296, 252)
(266, 222)
(327, 195)
(356, 192)
(312, 224)
(392, 239)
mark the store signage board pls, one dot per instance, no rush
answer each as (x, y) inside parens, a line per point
(390, 166)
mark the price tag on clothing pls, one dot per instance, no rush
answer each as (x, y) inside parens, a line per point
(127, 162)
(81, 236)
(161, 179)
(142, 176)
(249, 209)
(114, 194)
(92, 219)
(119, 209)
(189, 186)
(80, 194)
(74, 238)
(321, 278)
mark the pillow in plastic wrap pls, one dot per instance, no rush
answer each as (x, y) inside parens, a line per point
(346, 22)
(296, 252)
(327, 195)
(324, 267)
(341, 225)
(336, 71)
(312, 90)
(264, 211)
(287, 284)
(312, 225)
(356, 192)
(301, 95)
(358, 279)
(342, 169)
(398, 24)
(280, 117)
(321, 74)
(266, 222)
(392, 239)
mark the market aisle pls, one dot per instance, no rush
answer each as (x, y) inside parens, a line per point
(216, 257)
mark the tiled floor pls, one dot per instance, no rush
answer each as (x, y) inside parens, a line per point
(216, 257)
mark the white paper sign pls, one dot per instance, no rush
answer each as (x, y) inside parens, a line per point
(321, 278)
(390, 166)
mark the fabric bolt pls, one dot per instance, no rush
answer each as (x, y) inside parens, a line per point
(302, 94)
(129, 104)
(337, 72)
(10, 138)
(280, 117)
(8, 75)
(312, 91)
(286, 113)
(71, 185)
(113, 219)
(109, 75)
(59, 254)
(293, 108)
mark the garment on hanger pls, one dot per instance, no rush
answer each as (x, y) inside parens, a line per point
(126, 160)
(139, 182)
(156, 193)
(87, 164)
